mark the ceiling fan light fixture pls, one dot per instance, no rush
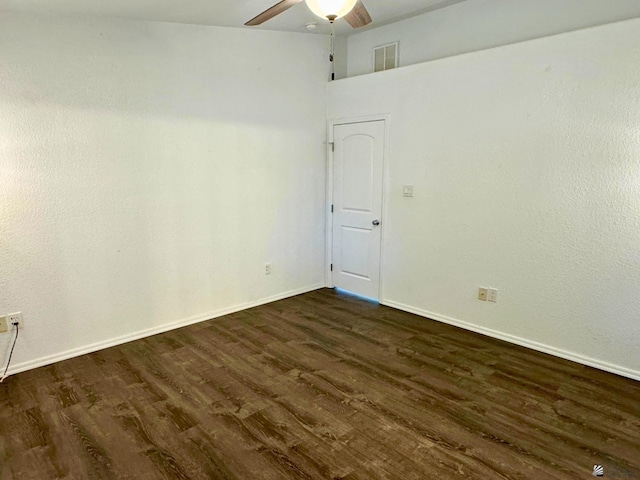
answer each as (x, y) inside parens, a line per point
(331, 9)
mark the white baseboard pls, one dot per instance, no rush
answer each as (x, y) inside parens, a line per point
(574, 357)
(76, 352)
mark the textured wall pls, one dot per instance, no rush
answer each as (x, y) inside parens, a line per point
(147, 173)
(526, 166)
(477, 24)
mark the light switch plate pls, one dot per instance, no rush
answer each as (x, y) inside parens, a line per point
(3, 325)
(407, 191)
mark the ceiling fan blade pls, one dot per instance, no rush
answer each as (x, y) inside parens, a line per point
(358, 16)
(269, 13)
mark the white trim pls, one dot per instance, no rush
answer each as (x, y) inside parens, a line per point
(540, 347)
(360, 119)
(76, 352)
(386, 189)
(328, 203)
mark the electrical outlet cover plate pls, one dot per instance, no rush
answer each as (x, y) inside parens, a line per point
(15, 317)
(3, 325)
(492, 295)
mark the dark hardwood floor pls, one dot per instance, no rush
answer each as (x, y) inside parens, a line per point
(319, 386)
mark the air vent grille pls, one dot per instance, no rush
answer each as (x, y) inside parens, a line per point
(385, 57)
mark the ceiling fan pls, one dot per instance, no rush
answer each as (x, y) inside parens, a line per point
(353, 11)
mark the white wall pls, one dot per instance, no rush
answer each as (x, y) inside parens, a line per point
(526, 166)
(478, 24)
(147, 173)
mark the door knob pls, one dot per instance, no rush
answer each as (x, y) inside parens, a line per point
(376, 223)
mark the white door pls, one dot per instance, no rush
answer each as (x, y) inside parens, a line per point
(357, 206)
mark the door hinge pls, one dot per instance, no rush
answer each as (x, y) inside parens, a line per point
(333, 146)
(332, 208)
(332, 267)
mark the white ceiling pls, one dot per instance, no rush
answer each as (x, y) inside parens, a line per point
(224, 13)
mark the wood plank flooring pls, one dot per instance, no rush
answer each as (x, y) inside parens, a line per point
(319, 386)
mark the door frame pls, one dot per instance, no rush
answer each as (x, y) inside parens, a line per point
(331, 123)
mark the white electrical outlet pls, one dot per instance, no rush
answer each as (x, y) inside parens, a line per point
(407, 191)
(15, 318)
(492, 295)
(267, 269)
(3, 325)
(482, 294)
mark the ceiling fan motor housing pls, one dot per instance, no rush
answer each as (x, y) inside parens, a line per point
(331, 9)
(354, 11)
